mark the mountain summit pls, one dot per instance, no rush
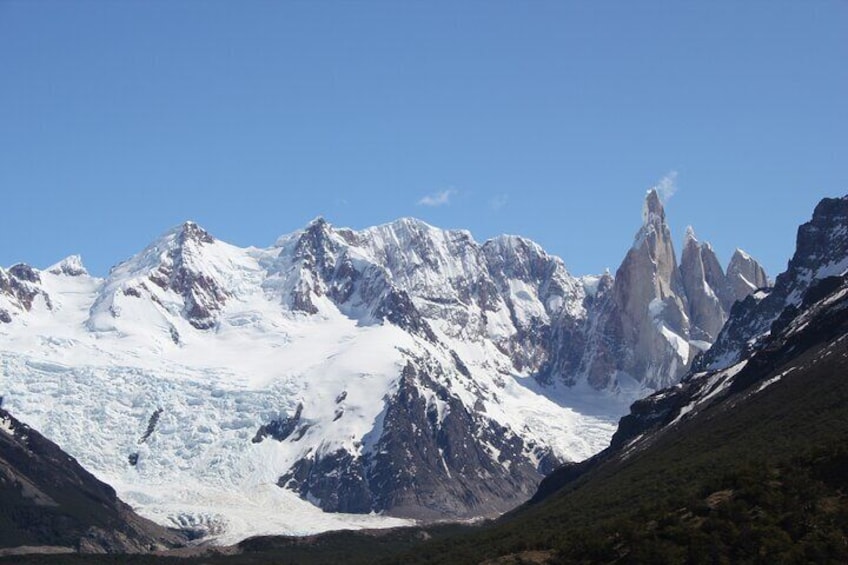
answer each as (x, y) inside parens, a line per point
(400, 369)
(657, 315)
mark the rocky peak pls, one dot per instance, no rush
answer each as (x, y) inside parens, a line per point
(418, 254)
(191, 232)
(704, 285)
(716, 278)
(644, 326)
(744, 275)
(316, 256)
(653, 249)
(315, 246)
(182, 271)
(24, 272)
(691, 244)
(653, 212)
(520, 258)
(19, 286)
(821, 251)
(71, 266)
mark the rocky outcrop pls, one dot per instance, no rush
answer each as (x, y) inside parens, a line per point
(19, 287)
(281, 428)
(821, 251)
(706, 287)
(644, 329)
(657, 316)
(431, 458)
(744, 276)
(820, 317)
(202, 296)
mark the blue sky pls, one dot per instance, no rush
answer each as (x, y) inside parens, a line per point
(119, 120)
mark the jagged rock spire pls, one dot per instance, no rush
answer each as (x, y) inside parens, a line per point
(645, 328)
(706, 289)
(744, 275)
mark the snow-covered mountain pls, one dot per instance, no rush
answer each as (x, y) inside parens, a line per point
(401, 369)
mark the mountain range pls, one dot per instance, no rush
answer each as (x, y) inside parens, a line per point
(742, 460)
(402, 370)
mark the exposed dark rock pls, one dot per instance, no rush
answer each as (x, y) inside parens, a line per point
(202, 296)
(430, 460)
(175, 335)
(821, 250)
(336, 482)
(24, 272)
(398, 309)
(301, 431)
(460, 366)
(151, 424)
(21, 284)
(132, 291)
(280, 429)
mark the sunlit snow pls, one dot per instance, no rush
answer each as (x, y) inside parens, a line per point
(90, 370)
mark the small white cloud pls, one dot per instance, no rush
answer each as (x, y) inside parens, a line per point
(666, 187)
(498, 202)
(440, 198)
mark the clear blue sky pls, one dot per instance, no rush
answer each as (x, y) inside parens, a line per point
(119, 120)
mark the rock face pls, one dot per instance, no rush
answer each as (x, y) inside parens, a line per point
(821, 251)
(19, 288)
(821, 316)
(744, 275)
(47, 499)
(657, 316)
(792, 332)
(707, 289)
(649, 301)
(434, 457)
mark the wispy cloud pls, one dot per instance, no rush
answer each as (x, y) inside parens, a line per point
(498, 202)
(439, 198)
(667, 186)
